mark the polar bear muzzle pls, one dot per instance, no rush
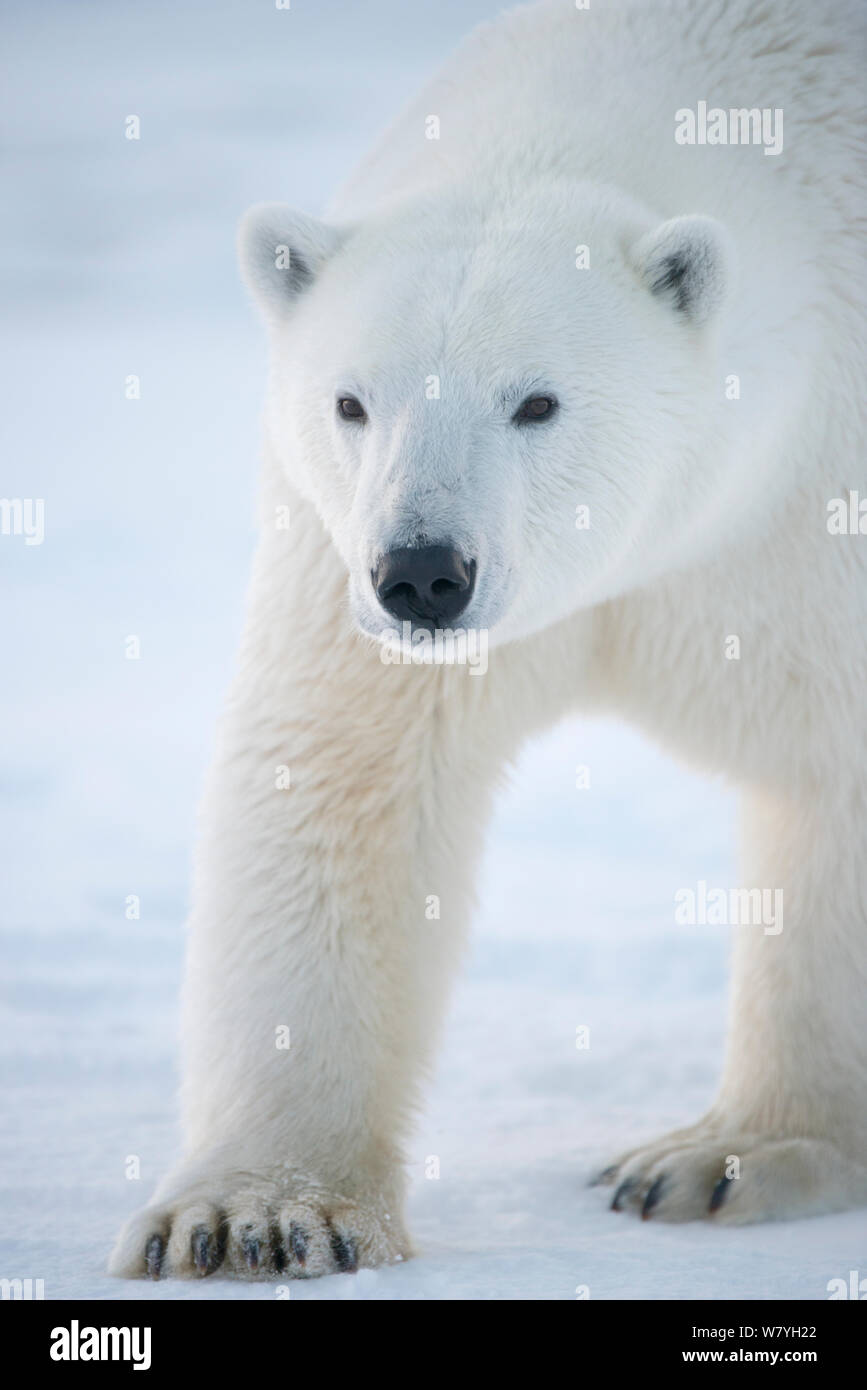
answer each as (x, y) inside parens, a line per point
(427, 585)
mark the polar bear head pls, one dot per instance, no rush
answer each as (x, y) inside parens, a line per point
(502, 414)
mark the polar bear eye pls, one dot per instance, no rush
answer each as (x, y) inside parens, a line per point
(350, 408)
(535, 408)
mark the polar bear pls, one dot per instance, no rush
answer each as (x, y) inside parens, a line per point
(561, 369)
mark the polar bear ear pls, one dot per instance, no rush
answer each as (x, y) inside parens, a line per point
(687, 261)
(282, 252)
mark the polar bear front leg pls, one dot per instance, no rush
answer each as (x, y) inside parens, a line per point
(342, 821)
(787, 1135)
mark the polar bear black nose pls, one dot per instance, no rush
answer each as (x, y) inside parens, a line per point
(430, 585)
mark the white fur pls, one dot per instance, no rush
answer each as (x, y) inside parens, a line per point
(455, 258)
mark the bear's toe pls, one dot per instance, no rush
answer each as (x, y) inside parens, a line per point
(734, 1179)
(256, 1235)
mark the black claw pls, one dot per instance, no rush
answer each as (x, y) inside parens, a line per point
(154, 1251)
(345, 1251)
(278, 1251)
(623, 1191)
(654, 1192)
(720, 1193)
(250, 1247)
(607, 1175)
(200, 1245)
(297, 1242)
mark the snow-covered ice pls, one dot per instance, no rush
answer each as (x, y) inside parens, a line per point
(118, 259)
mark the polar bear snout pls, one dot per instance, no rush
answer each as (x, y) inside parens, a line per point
(427, 585)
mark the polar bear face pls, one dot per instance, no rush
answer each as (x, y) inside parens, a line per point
(495, 432)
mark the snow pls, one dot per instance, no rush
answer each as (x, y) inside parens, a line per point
(118, 259)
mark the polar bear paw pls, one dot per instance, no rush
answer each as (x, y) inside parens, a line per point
(734, 1178)
(248, 1228)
